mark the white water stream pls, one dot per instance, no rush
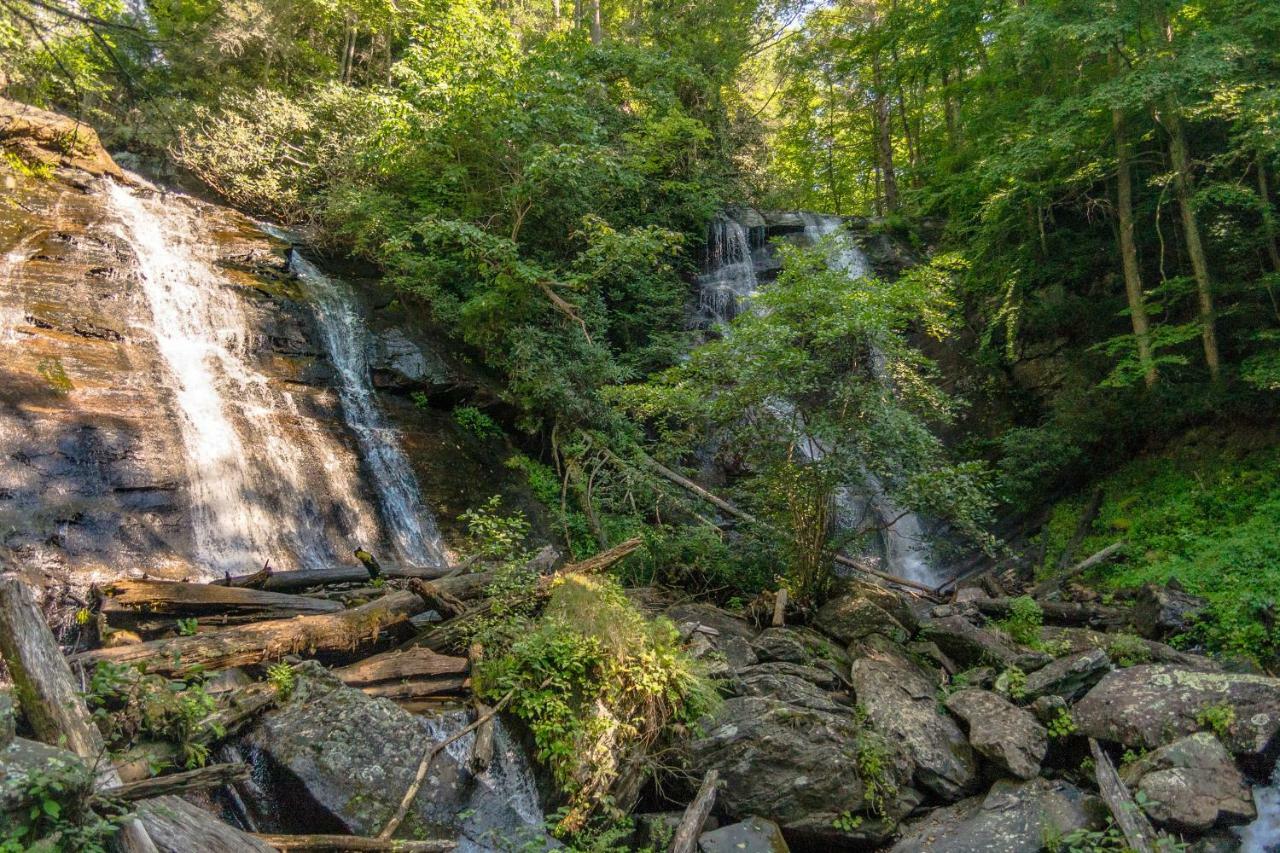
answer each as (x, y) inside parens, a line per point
(265, 482)
(411, 525)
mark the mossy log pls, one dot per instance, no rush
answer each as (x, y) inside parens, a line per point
(341, 632)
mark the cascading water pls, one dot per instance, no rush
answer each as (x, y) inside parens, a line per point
(256, 490)
(907, 550)
(411, 526)
(1263, 835)
(729, 279)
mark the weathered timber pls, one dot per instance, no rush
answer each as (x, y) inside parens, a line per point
(48, 694)
(137, 604)
(685, 839)
(209, 776)
(779, 608)
(482, 746)
(1053, 584)
(292, 581)
(344, 631)
(354, 843)
(397, 665)
(1138, 832)
(445, 603)
(253, 581)
(1060, 612)
(180, 827)
(237, 710)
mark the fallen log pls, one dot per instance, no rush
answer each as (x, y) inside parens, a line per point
(148, 606)
(1083, 525)
(685, 839)
(209, 776)
(1053, 584)
(180, 827)
(240, 709)
(344, 631)
(353, 843)
(294, 581)
(50, 701)
(1060, 612)
(412, 678)
(1138, 832)
(253, 581)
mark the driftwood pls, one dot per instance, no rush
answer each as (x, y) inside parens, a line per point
(180, 827)
(210, 776)
(1083, 525)
(685, 839)
(264, 641)
(294, 581)
(50, 701)
(1053, 584)
(1139, 834)
(155, 605)
(353, 843)
(779, 608)
(413, 678)
(1061, 613)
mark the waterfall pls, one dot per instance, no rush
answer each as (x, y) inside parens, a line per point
(1263, 835)
(264, 483)
(728, 280)
(410, 524)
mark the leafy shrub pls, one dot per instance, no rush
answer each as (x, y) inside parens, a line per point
(475, 422)
(494, 535)
(594, 680)
(1128, 650)
(59, 817)
(1012, 683)
(1024, 621)
(1062, 725)
(127, 703)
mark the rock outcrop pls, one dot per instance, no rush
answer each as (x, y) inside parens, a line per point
(52, 139)
(1191, 785)
(1001, 732)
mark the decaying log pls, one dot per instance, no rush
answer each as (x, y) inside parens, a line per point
(444, 602)
(209, 776)
(265, 641)
(294, 581)
(414, 677)
(1060, 612)
(137, 604)
(1053, 584)
(239, 709)
(779, 608)
(253, 581)
(49, 697)
(685, 839)
(353, 843)
(180, 827)
(482, 746)
(1137, 830)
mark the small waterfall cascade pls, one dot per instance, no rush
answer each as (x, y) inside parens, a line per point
(907, 551)
(1263, 835)
(729, 279)
(263, 480)
(410, 524)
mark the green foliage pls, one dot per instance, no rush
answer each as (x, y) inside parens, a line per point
(1062, 725)
(494, 536)
(476, 423)
(1202, 511)
(59, 817)
(188, 627)
(1218, 719)
(1024, 621)
(1012, 683)
(1127, 650)
(282, 678)
(874, 757)
(591, 677)
(128, 703)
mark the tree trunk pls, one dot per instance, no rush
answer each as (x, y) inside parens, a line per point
(685, 839)
(264, 641)
(49, 698)
(178, 825)
(156, 605)
(1268, 214)
(597, 24)
(884, 142)
(1129, 251)
(209, 776)
(1137, 830)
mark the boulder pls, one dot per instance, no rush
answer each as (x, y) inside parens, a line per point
(1070, 676)
(1013, 817)
(798, 767)
(20, 758)
(1162, 611)
(786, 687)
(754, 835)
(400, 364)
(354, 757)
(901, 703)
(851, 618)
(1191, 785)
(968, 645)
(716, 632)
(1003, 733)
(53, 139)
(802, 646)
(1151, 705)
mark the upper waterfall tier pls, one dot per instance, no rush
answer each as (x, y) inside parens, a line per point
(169, 401)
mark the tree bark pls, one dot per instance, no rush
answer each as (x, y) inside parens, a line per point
(1129, 817)
(1129, 251)
(209, 776)
(1083, 525)
(49, 698)
(265, 641)
(884, 141)
(155, 605)
(1268, 214)
(180, 827)
(353, 843)
(597, 24)
(685, 839)
(1061, 613)
(293, 581)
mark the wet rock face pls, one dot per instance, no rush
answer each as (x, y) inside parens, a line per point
(53, 139)
(1151, 705)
